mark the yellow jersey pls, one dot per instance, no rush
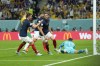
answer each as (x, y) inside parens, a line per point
(22, 19)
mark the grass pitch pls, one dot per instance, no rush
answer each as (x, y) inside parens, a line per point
(8, 56)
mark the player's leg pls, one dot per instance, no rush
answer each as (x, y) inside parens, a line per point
(35, 37)
(46, 44)
(20, 46)
(30, 41)
(81, 51)
(47, 48)
(35, 50)
(33, 47)
(51, 36)
(27, 45)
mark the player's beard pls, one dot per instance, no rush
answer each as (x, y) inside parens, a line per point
(31, 20)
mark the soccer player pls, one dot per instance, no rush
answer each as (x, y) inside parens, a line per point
(69, 47)
(23, 17)
(23, 34)
(47, 33)
(36, 32)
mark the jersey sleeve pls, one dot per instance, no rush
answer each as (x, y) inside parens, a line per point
(61, 45)
(73, 45)
(42, 23)
(29, 24)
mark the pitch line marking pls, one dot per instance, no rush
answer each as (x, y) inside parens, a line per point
(8, 49)
(31, 60)
(68, 60)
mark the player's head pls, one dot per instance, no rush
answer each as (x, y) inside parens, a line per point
(41, 15)
(70, 39)
(29, 16)
(23, 13)
(46, 16)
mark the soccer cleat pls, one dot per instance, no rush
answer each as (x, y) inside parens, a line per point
(50, 53)
(24, 52)
(38, 54)
(58, 50)
(18, 53)
(86, 51)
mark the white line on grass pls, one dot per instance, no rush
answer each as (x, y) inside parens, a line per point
(8, 49)
(30, 60)
(67, 60)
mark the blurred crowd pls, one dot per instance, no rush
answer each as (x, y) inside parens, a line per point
(58, 9)
(69, 9)
(13, 9)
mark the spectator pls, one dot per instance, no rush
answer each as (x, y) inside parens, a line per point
(91, 28)
(13, 30)
(58, 29)
(6, 29)
(68, 9)
(74, 29)
(2, 17)
(80, 29)
(66, 26)
(98, 28)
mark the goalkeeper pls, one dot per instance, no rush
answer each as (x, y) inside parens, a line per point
(69, 47)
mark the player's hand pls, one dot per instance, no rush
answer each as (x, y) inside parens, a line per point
(41, 21)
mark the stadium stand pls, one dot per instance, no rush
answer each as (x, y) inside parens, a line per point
(65, 14)
(58, 9)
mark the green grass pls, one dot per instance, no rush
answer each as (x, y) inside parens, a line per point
(9, 58)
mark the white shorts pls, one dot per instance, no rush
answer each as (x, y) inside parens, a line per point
(36, 34)
(48, 36)
(27, 39)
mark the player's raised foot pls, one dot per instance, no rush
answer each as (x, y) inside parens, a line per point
(50, 53)
(24, 52)
(18, 53)
(86, 51)
(39, 54)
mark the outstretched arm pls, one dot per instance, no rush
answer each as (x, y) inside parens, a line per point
(40, 29)
(36, 25)
(61, 45)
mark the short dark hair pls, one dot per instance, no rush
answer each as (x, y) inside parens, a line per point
(70, 39)
(46, 13)
(28, 14)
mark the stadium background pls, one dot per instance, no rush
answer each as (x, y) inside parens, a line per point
(66, 15)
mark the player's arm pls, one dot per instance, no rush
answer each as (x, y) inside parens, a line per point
(40, 29)
(74, 46)
(36, 25)
(50, 30)
(61, 45)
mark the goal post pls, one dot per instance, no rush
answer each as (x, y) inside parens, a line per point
(96, 42)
